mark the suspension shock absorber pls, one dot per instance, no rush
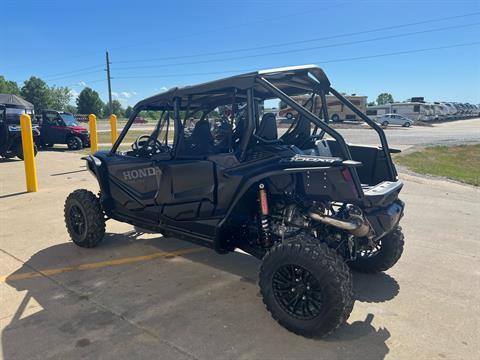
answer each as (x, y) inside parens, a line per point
(264, 220)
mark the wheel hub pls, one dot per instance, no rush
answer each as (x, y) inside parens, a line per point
(77, 220)
(297, 291)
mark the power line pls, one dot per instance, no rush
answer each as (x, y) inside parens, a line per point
(319, 62)
(298, 49)
(263, 20)
(87, 53)
(87, 82)
(73, 71)
(74, 75)
(303, 41)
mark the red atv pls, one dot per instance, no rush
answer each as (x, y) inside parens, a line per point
(62, 128)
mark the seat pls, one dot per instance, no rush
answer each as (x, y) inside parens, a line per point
(201, 141)
(267, 129)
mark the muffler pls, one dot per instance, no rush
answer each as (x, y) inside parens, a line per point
(355, 222)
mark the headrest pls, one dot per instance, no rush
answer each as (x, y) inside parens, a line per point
(268, 127)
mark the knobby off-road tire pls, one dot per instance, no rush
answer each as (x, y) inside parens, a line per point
(84, 218)
(19, 150)
(387, 255)
(322, 283)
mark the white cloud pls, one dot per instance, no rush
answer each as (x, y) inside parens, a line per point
(123, 94)
(82, 83)
(163, 88)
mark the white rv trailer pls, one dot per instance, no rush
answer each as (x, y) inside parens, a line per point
(452, 110)
(441, 111)
(414, 110)
(378, 110)
(336, 110)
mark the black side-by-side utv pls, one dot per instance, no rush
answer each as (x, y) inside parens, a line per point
(11, 107)
(214, 171)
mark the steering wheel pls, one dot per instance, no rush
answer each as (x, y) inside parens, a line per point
(146, 146)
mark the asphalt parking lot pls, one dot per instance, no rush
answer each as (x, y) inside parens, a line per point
(145, 296)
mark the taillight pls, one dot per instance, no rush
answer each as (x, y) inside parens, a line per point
(347, 176)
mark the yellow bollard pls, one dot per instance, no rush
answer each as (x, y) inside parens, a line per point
(28, 153)
(92, 123)
(113, 128)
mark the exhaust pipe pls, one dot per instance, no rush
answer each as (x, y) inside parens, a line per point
(356, 224)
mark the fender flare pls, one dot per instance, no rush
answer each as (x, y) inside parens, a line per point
(97, 169)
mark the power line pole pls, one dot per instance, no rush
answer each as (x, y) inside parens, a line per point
(109, 85)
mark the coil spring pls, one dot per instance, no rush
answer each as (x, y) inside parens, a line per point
(265, 232)
(265, 229)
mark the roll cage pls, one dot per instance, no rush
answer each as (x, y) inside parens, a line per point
(252, 88)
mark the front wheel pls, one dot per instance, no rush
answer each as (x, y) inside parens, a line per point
(84, 218)
(306, 286)
(19, 150)
(385, 123)
(407, 124)
(74, 143)
(335, 118)
(386, 253)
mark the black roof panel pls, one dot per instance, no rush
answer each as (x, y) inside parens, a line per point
(220, 91)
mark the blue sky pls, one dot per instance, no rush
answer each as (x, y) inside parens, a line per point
(155, 45)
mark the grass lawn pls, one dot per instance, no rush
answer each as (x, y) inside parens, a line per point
(132, 135)
(460, 163)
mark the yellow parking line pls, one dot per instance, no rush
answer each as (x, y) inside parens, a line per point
(96, 265)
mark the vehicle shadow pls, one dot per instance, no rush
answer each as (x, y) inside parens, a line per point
(55, 149)
(7, 160)
(47, 331)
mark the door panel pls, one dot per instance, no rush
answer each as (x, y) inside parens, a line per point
(187, 189)
(182, 190)
(134, 182)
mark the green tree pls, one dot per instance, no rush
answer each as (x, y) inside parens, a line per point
(282, 104)
(117, 108)
(36, 91)
(89, 102)
(60, 97)
(128, 111)
(8, 86)
(371, 103)
(384, 98)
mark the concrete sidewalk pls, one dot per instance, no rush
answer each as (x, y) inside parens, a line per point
(145, 296)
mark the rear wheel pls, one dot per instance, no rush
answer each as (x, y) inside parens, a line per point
(335, 118)
(386, 254)
(289, 116)
(74, 143)
(306, 286)
(84, 218)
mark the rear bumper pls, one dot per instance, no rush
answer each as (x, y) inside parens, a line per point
(384, 220)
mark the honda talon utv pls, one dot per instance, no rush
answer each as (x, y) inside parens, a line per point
(307, 203)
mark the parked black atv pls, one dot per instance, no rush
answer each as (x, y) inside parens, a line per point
(307, 203)
(11, 134)
(58, 127)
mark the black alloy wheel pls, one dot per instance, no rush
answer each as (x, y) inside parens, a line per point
(77, 220)
(297, 291)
